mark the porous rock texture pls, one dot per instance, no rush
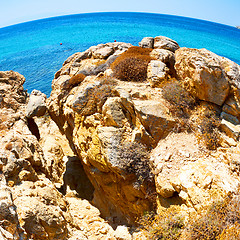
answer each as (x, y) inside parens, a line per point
(32, 171)
(107, 150)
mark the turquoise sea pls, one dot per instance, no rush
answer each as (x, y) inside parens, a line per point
(33, 48)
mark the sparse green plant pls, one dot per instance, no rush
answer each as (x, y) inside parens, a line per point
(132, 64)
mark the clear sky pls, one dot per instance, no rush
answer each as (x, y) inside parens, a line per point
(221, 11)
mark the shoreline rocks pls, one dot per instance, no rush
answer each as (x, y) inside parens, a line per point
(99, 152)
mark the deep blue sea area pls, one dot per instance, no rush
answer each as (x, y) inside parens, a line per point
(33, 48)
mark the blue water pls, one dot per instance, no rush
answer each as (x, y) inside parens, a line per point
(33, 48)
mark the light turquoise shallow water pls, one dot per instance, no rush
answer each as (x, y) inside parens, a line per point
(33, 48)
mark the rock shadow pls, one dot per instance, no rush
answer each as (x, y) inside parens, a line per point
(33, 128)
(75, 179)
(168, 202)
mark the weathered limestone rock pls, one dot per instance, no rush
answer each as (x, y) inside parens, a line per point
(197, 177)
(103, 52)
(202, 74)
(230, 129)
(147, 42)
(184, 174)
(164, 188)
(36, 105)
(155, 117)
(166, 57)
(31, 207)
(113, 112)
(87, 218)
(232, 70)
(40, 218)
(157, 72)
(163, 55)
(165, 43)
(85, 101)
(12, 92)
(231, 106)
(9, 228)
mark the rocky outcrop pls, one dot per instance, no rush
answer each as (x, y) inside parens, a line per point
(39, 198)
(103, 116)
(165, 43)
(116, 149)
(98, 123)
(202, 74)
(159, 42)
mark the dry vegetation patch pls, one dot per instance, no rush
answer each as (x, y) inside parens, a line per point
(219, 221)
(132, 64)
(193, 115)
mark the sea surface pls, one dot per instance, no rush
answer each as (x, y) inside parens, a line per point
(33, 48)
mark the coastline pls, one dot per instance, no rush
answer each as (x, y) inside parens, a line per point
(127, 133)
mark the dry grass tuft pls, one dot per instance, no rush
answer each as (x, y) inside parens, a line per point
(220, 221)
(192, 115)
(166, 225)
(180, 99)
(76, 79)
(132, 64)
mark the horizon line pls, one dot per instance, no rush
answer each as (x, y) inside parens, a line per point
(102, 12)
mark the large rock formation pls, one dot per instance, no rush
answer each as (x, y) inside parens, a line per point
(34, 166)
(101, 117)
(114, 148)
(202, 74)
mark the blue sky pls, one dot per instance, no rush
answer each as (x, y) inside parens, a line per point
(221, 11)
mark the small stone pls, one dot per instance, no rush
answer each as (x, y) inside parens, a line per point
(103, 230)
(168, 156)
(122, 233)
(183, 195)
(36, 105)
(165, 43)
(230, 129)
(147, 42)
(230, 118)
(164, 188)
